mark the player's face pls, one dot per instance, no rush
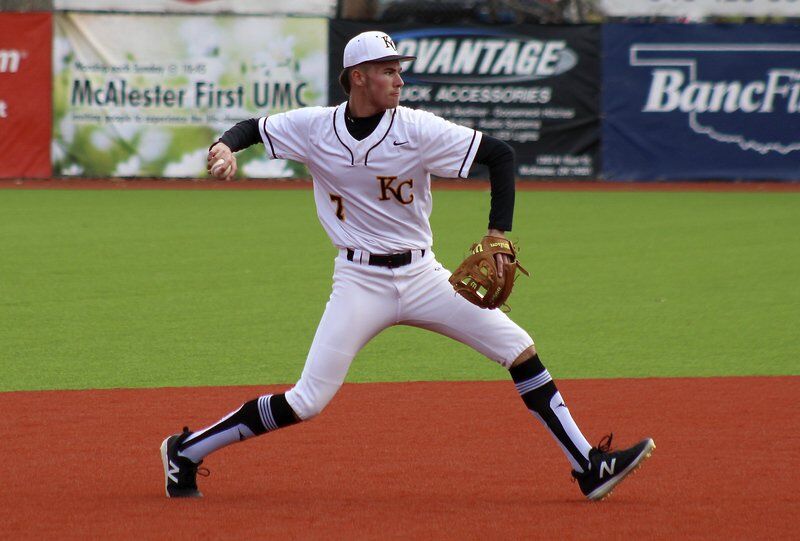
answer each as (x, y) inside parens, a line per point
(383, 83)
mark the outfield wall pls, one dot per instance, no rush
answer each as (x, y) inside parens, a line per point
(95, 95)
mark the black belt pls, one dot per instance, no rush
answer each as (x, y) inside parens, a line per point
(386, 260)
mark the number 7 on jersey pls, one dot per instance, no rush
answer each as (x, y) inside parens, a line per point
(339, 206)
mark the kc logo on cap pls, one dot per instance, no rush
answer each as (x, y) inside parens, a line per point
(372, 46)
(389, 43)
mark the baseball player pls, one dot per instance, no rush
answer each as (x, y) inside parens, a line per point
(371, 161)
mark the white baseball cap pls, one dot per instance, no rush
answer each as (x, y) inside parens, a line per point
(371, 46)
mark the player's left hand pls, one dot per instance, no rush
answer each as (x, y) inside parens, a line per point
(500, 259)
(486, 277)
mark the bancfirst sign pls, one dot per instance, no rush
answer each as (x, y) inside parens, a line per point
(701, 101)
(728, 105)
(672, 90)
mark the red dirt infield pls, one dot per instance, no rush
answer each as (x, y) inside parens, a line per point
(427, 460)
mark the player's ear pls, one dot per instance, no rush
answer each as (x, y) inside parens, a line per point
(358, 76)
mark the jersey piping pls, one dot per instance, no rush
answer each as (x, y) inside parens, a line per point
(262, 125)
(394, 112)
(472, 142)
(366, 157)
(352, 158)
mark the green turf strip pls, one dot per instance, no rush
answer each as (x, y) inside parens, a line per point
(175, 288)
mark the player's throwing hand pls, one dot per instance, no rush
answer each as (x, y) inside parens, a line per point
(221, 163)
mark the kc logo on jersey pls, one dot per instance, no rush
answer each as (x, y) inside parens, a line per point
(388, 188)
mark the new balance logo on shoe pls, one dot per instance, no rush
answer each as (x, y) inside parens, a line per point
(173, 469)
(180, 473)
(605, 468)
(608, 468)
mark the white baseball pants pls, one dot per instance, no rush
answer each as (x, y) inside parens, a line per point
(367, 299)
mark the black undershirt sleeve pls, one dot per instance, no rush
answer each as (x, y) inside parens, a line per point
(242, 135)
(499, 157)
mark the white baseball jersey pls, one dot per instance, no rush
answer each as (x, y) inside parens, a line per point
(373, 194)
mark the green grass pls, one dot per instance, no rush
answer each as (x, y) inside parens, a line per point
(172, 288)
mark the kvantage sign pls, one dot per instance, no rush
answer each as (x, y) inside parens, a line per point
(481, 56)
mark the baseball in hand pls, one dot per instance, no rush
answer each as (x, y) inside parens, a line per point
(218, 169)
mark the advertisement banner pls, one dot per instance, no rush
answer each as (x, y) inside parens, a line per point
(536, 87)
(318, 8)
(145, 95)
(695, 10)
(25, 94)
(701, 102)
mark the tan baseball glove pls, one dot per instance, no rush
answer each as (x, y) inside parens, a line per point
(477, 278)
